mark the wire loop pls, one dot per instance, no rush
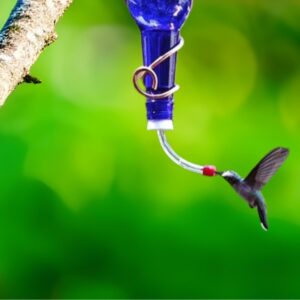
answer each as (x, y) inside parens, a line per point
(141, 72)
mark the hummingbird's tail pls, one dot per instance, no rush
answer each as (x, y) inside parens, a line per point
(262, 212)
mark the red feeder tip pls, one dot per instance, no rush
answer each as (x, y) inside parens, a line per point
(209, 171)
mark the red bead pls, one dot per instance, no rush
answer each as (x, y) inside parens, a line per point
(209, 171)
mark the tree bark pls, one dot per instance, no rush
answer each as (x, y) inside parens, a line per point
(28, 31)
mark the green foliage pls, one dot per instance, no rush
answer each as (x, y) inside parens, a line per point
(90, 207)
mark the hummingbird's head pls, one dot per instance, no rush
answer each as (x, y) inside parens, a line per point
(231, 177)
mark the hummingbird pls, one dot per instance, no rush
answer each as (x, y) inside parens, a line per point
(250, 187)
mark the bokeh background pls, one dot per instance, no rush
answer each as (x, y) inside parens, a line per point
(90, 206)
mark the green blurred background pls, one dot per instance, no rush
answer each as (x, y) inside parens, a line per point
(90, 206)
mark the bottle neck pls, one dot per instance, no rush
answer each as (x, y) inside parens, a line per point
(155, 44)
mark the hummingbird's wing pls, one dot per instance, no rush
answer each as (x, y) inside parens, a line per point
(262, 212)
(266, 168)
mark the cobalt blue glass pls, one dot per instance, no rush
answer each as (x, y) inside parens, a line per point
(160, 22)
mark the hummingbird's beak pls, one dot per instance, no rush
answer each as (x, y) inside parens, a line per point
(219, 173)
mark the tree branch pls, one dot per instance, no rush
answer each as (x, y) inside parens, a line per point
(28, 31)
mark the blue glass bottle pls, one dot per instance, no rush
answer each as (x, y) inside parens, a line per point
(160, 22)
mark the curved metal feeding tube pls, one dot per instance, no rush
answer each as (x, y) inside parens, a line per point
(177, 159)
